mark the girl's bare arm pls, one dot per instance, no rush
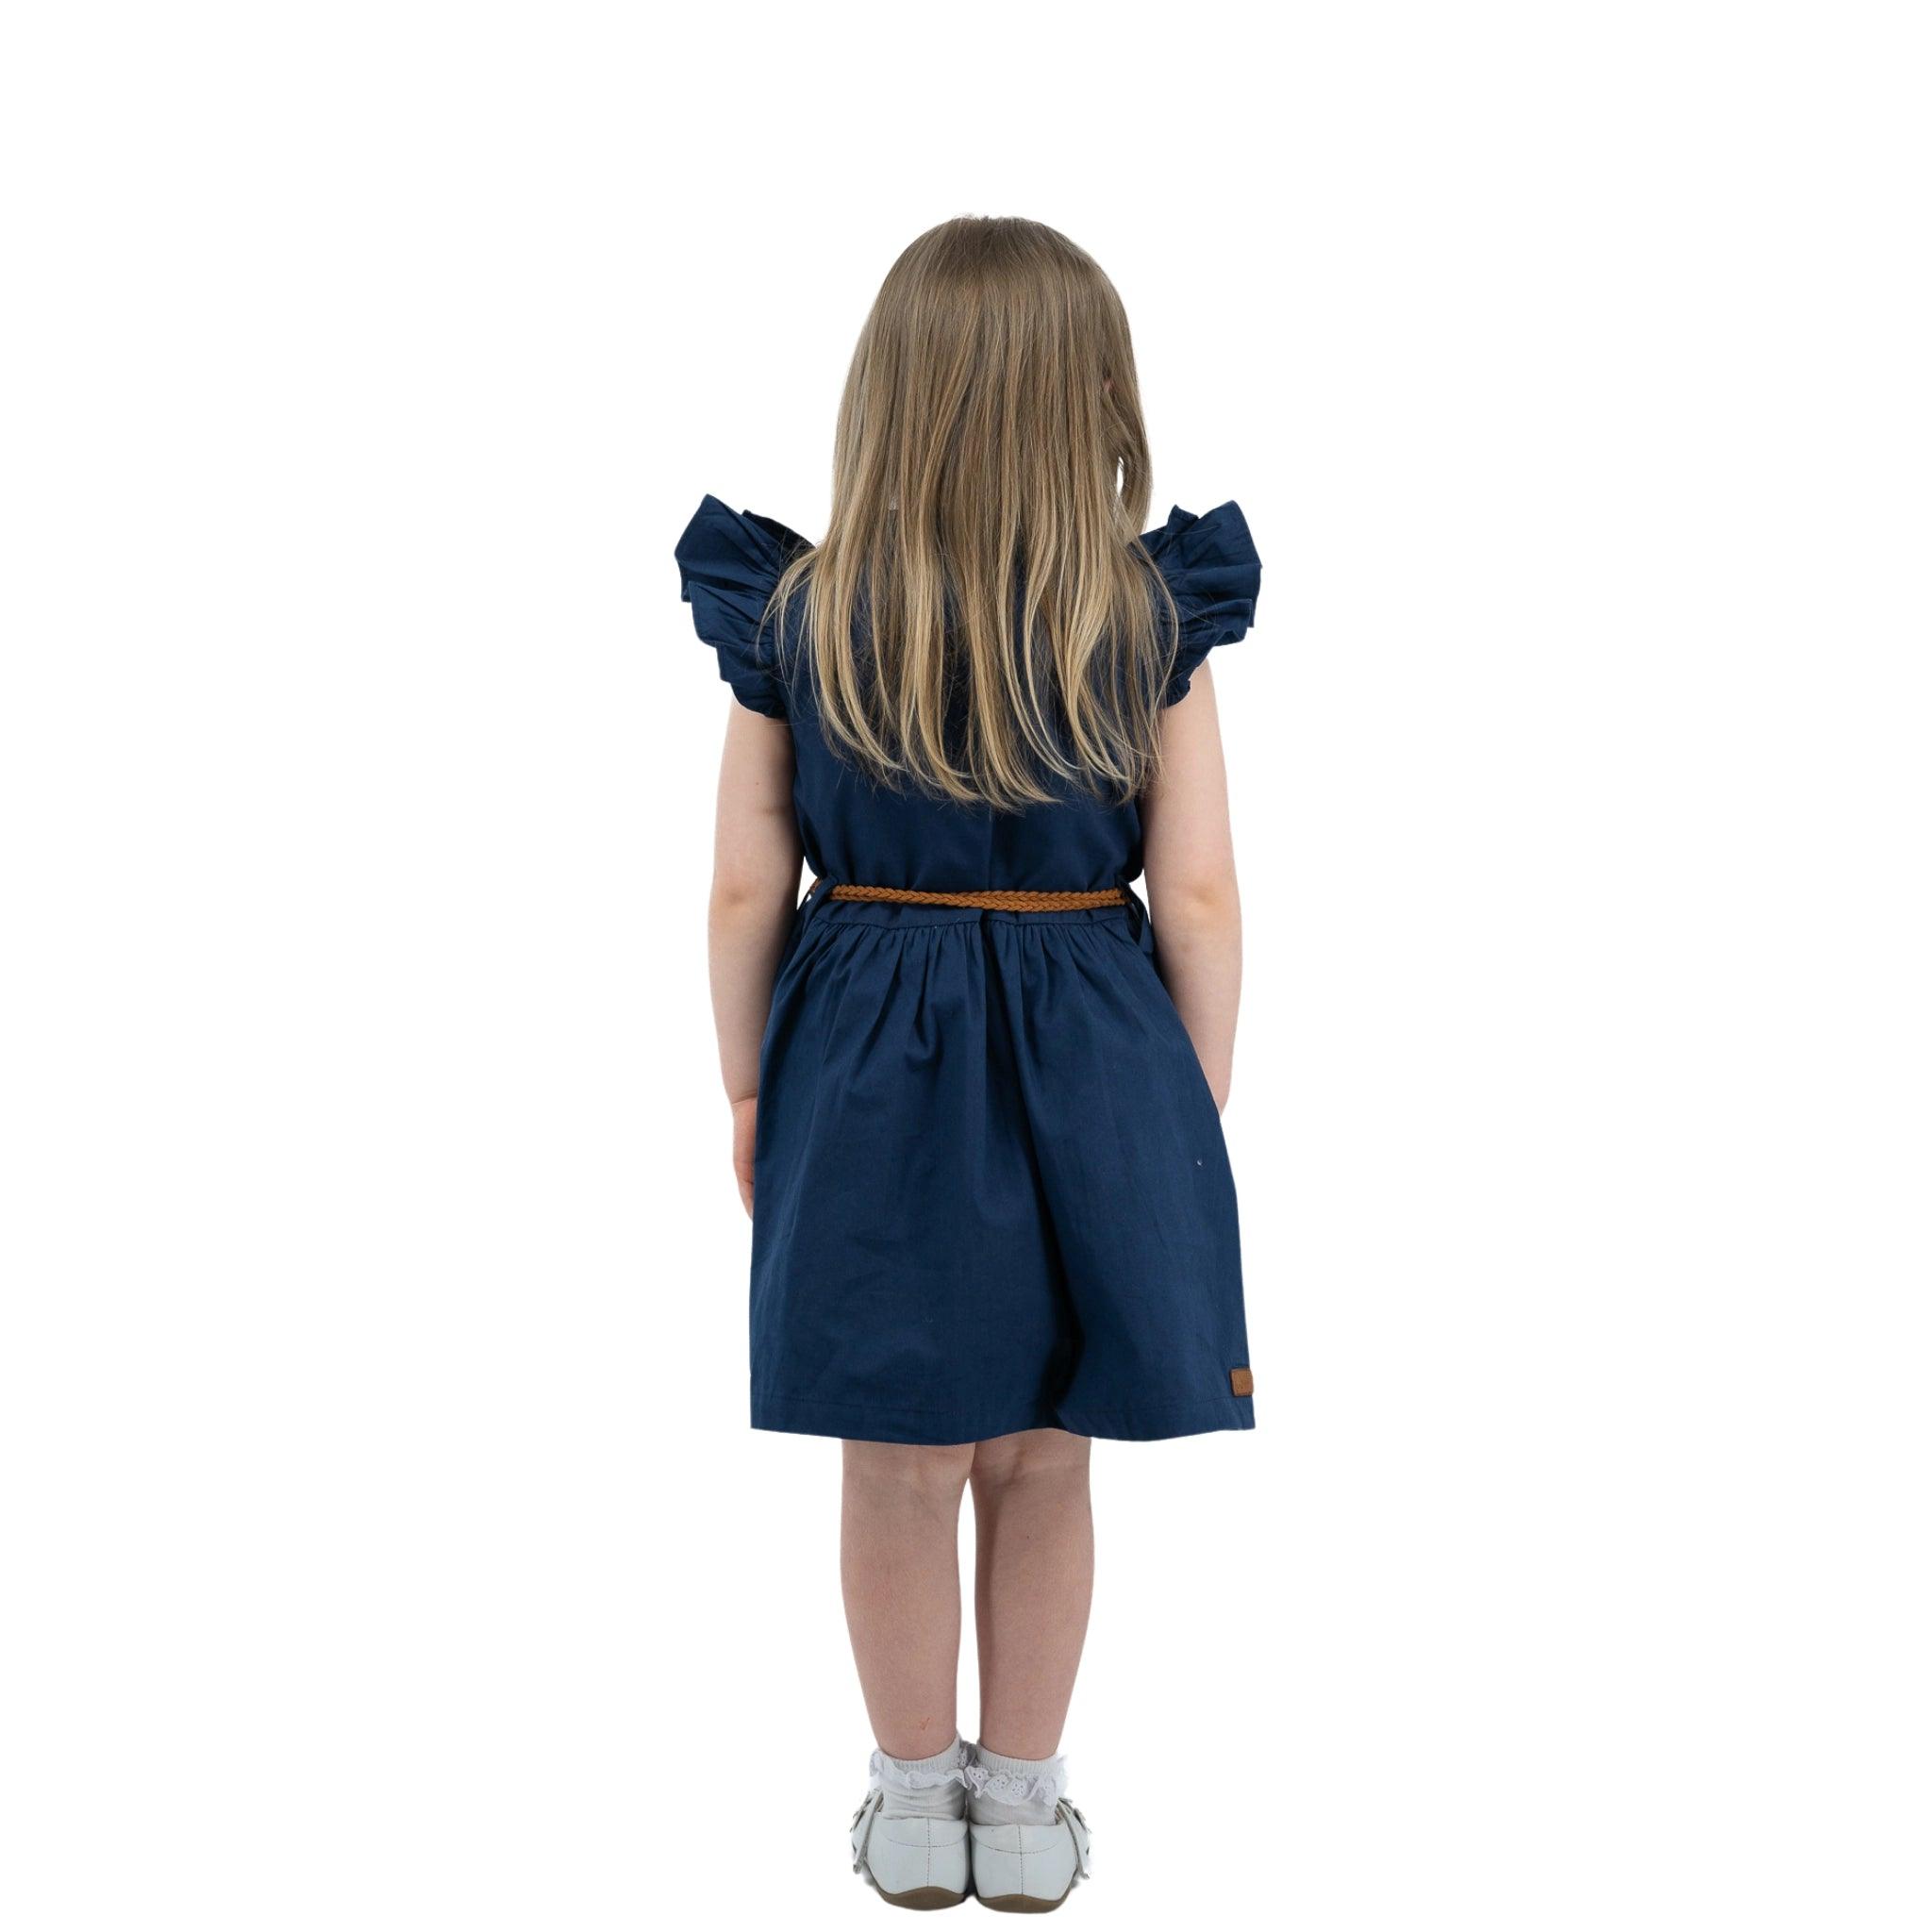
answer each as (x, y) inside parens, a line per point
(1191, 882)
(754, 890)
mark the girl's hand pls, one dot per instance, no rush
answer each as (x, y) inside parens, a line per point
(744, 1128)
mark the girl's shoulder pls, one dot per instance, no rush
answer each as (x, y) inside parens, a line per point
(1213, 573)
(728, 564)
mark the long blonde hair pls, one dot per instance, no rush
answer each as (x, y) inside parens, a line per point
(982, 621)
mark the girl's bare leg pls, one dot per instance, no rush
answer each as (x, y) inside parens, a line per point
(1033, 1584)
(899, 1561)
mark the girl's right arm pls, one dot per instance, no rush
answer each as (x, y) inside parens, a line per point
(1187, 848)
(753, 893)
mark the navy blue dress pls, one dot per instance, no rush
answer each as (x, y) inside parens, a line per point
(991, 1190)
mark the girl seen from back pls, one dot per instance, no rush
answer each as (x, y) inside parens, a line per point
(975, 1083)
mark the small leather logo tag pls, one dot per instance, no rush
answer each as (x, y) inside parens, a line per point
(1242, 1381)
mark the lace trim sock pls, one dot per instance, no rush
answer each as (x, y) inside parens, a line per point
(931, 1786)
(1013, 1790)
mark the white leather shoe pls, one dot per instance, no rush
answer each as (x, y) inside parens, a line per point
(1030, 1868)
(917, 1863)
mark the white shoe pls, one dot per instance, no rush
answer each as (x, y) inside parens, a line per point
(1030, 1868)
(917, 1863)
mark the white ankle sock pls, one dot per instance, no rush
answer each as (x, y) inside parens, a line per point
(1013, 1790)
(931, 1786)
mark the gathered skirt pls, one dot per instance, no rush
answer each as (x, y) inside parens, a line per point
(990, 1189)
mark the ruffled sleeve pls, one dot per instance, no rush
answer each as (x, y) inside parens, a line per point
(1213, 571)
(728, 564)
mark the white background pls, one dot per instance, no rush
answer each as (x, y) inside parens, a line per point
(384, 1543)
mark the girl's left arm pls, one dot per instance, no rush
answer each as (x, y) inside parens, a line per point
(754, 877)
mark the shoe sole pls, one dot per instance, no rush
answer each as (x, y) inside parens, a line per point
(1018, 1902)
(922, 1898)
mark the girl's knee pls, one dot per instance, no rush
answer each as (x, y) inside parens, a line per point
(917, 1468)
(1032, 1453)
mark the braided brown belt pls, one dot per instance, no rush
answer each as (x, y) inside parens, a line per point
(986, 902)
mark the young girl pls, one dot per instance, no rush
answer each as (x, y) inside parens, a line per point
(975, 1113)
